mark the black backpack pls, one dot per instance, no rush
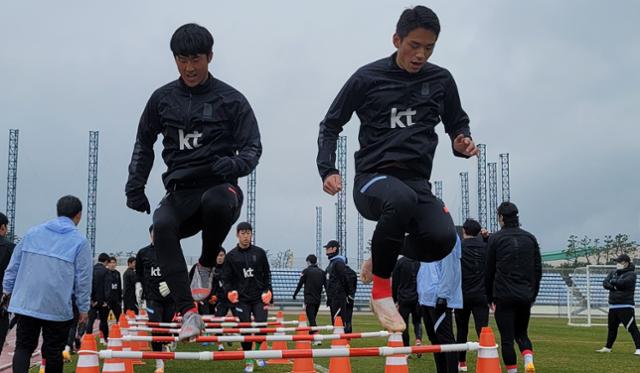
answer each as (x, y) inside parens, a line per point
(352, 277)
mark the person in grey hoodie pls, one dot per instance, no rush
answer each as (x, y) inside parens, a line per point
(57, 252)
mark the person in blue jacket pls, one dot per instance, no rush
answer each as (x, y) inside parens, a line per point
(57, 252)
(439, 293)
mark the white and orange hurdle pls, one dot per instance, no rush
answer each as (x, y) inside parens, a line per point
(263, 338)
(207, 318)
(215, 324)
(236, 330)
(290, 354)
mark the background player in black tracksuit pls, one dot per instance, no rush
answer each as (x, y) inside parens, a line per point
(210, 139)
(621, 284)
(405, 295)
(114, 297)
(474, 295)
(6, 250)
(155, 291)
(514, 271)
(100, 288)
(399, 100)
(339, 288)
(129, 286)
(313, 279)
(246, 277)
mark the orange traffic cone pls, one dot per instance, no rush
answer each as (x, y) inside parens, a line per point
(396, 363)
(339, 364)
(114, 365)
(88, 362)
(128, 345)
(488, 359)
(303, 365)
(279, 345)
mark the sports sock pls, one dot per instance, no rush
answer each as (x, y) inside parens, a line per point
(381, 287)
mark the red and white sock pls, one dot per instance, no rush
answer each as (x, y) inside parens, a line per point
(381, 288)
(512, 368)
(528, 357)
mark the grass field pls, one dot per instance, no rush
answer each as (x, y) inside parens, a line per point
(558, 348)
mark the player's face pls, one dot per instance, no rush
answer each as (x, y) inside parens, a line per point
(414, 49)
(244, 238)
(193, 69)
(111, 265)
(220, 258)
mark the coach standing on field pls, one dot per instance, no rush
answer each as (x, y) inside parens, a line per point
(514, 271)
(51, 263)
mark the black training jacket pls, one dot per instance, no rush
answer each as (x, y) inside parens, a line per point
(6, 250)
(473, 263)
(198, 125)
(149, 274)
(115, 290)
(100, 284)
(247, 271)
(403, 281)
(338, 285)
(514, 266)
(129, 288)
(398, 112)
(621, 284)
(313, 279)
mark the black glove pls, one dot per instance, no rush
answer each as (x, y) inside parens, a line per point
(441, 304)
(223, 166)
(138, 201)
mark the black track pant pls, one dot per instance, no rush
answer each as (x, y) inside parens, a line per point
(183, 213)
(4, 327)
(245, 310)
(480, 311)
(72, 338)
(399, 207)
(413, 310)
(311, 309)
(54, 336)
(626, 317)
(341, 308)
(102, 313)
(223, 307)
(513, 321)
(160, 312)
(439, 326)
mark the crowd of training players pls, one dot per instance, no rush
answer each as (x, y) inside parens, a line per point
(211, 138)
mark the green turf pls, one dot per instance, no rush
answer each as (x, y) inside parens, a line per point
(558, 348)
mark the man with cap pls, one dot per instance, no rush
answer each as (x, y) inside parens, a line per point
(474, 296)
(313, 280)
(246, 278)
(339, 288)
(621, 284)
(512, 281)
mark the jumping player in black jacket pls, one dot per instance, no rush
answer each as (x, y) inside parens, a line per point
(474, 295)
(246, 277)
(621, 284)
(399, 101)
(210, 139)
(512, 280)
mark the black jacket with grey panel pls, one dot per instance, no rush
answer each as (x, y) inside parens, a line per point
(398, 112)
(199, 125)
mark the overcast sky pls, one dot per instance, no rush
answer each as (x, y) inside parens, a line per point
(553, 83)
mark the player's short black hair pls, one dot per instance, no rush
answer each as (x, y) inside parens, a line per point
(244, 226)
(113, 259)
(509, 212)
(413, 18)
(3, 219)
(69, 206)
(312, 259)
(190, 40)
(471, 227)
(131, 259)
(103, 257)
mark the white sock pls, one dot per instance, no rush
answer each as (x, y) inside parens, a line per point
(528, 358)
(512, 370)
(159, 363)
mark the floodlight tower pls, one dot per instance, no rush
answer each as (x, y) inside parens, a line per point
(342, 195)
(12, 182)
(251, 203)
(506, 188)
(360, 240)
(464, 189)
(482, 185)
(493, 197)
(92, 196)
(438, 185)
(319, 235)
